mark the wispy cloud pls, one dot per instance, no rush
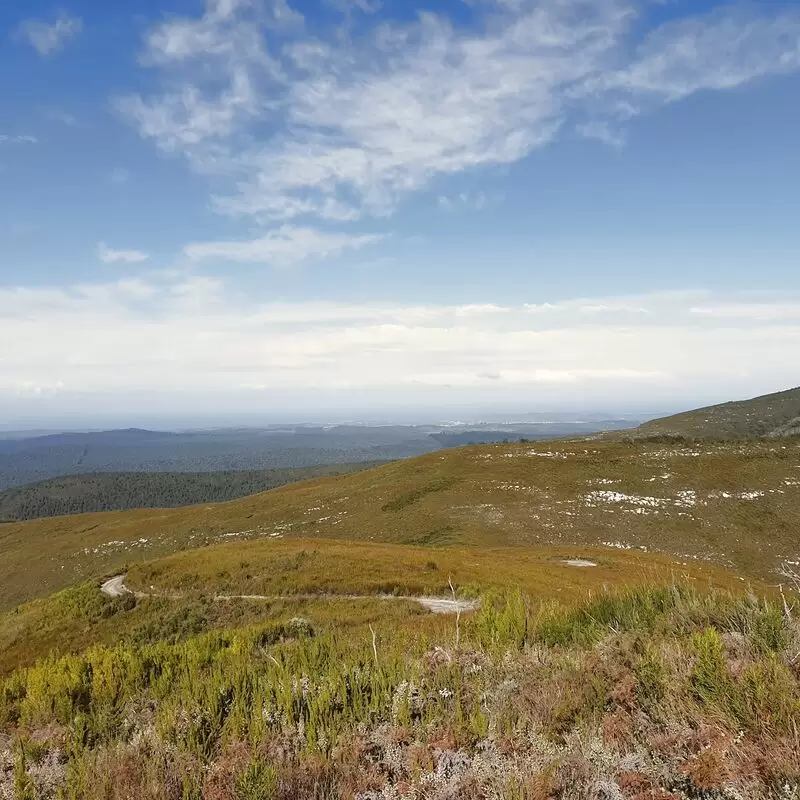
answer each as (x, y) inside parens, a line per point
(723, 49)
(25, 139)
(56, 114)
(286, 245)
(198, 337)
(109, 256)
(603, 132)
(475, 201)
(291, 127)
(49, 37)
(348, 7)
(119, 176)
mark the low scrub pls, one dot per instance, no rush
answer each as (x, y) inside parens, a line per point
(651, 693)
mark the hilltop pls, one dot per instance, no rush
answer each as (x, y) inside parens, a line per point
(342, 583)
(770, 415)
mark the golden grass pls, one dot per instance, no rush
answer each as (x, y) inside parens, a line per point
(771, 414)
(182, 589)
(318, 566)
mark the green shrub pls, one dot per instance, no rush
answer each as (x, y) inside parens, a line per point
(634, 609)
(769, 633)
(258, 782)
(766, 697)
(502, 621)
(710, 680)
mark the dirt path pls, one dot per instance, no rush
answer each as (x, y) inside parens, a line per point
(115, 587)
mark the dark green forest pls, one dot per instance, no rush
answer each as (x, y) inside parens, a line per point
(112, 491)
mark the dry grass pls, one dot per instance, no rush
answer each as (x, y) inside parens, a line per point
(331, 567)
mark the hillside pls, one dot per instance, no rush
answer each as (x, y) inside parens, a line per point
(111, 491)
(346, 583)
(733, 504)
(769, 415)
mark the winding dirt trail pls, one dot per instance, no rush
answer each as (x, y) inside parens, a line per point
(115, 587)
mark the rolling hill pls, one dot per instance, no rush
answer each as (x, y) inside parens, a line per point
(29, 459)
(771, 415)
(346, 583)
(631, 686)
(622, 639)
(733, 504)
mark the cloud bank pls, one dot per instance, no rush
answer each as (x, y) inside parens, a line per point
(191, 337)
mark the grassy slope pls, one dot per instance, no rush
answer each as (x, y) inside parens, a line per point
(669, 693)
(320, 566)
(182, 588)
(76, 494)
(79, 617)
(769, 415)
(745, 515)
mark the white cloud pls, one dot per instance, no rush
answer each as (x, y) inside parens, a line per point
(109, 256)
(25, 139)
(756, 311)
(189, 335)
(349, 6)
(288, 126)
(49, 37)
(285, 245)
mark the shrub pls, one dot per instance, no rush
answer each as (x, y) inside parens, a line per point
(710, 679)
(259, 781)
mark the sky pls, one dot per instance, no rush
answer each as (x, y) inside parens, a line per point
(258, 207)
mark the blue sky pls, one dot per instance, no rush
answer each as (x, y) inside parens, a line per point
(239, 206)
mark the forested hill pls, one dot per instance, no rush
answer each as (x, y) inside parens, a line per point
(78, 494)
(31, 459)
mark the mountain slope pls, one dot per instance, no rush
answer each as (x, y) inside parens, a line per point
(736, 504)
(769, 415)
